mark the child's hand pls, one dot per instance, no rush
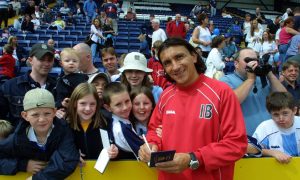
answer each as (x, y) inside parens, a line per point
(113, 151)
(65, 102)
(282, 157)
(61, 113)
(35, 166)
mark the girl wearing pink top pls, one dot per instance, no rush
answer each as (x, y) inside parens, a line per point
(285, 35)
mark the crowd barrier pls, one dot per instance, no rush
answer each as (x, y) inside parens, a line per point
(245, 169)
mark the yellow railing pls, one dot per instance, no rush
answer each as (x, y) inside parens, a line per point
(245, 169)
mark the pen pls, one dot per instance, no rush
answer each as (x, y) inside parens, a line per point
(147, 144)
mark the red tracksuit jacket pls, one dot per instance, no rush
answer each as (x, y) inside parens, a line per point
(204, 118)
(158, 73)
(176, 31)
(7, 65)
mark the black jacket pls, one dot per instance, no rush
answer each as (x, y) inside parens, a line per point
(60, 153)
(89, 142)
(65, 86)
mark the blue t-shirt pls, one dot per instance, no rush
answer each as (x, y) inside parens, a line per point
(293, 48)
(254, 106)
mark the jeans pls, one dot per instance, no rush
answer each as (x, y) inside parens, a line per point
(94, 51)
(282, 53)
(213, 11)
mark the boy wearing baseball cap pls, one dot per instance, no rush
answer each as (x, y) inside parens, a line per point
(41, 144)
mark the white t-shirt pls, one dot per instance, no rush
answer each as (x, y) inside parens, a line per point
(204, 35)
(36, 23)
(94, 30)
(158, 35)
(214, 62)
(255, 40)
(270, 136)
(268, 47)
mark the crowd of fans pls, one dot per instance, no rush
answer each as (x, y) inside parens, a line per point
(49, 121)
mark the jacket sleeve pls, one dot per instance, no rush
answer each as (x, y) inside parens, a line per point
(9, 163)
(232, 143)
(63, 161)
(4, 108)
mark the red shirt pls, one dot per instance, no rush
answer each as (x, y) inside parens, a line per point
(284, 37)
(174, 30)
(158, 73)
(204, 118)
(7, 65)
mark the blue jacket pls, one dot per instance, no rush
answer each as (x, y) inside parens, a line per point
(60, 152)
(12, 93)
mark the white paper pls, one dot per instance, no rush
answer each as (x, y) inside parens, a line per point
(102, 161)
(105, 139)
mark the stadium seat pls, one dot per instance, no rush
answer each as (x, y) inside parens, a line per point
(32, 37)
(76, 32)
(64, 32)
(21, 36)
(53, 32)
(58, 37)
(45, 37)
(24, 43)
(65, 44)
(71, 38)
(55, 71)
(32, 42)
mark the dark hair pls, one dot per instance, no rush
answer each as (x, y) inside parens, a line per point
(112, 89)
(279, 100)
(289, 63)
(143, 90)
(216, 41)
(199, 65)
(269, 37)
(288, 20)
(201, 17)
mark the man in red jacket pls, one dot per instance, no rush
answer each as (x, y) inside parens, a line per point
(176, 28)
(201, 119)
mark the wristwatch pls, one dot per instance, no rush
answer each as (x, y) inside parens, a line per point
(194, 163)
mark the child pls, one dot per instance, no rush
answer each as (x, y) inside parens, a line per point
(86, 119)
(70, 78)
(117, 101)
(41, 144)
(158, 73)
(99, 80)
(142, 106)
(5, 33)
(7, 64)
(280, 136)
(135, 74)
(144, 48)
(5, 129)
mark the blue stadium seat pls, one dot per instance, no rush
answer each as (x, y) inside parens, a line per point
(69, 28)
(76, 32)
(71, 38)
(45, 37)
(21, 36)
(32, 37)
(80, 28)
(24, 70)
(122, 39)
(65, 44)
(55, 71)
(40, 31)
(32, 42)
(24, 43)
(81, 38)
(121, 51)
(53, 32)
(121, 45)
(64, 32)
(58, 37)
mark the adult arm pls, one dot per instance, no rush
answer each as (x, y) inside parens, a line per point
(291, 31)
(276, 85)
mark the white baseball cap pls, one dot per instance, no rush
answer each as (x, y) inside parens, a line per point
(135, 61)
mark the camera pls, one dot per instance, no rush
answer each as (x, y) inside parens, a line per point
(263, 67)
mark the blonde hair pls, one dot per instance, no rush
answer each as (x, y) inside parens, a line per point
(142, 37)
(79, 92)
(69, 51)
(5, 128)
